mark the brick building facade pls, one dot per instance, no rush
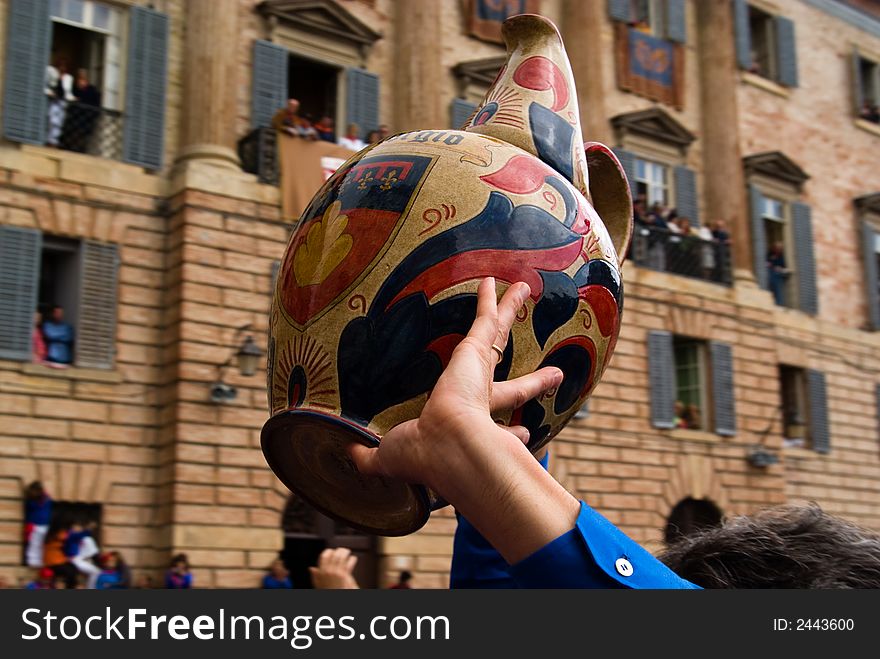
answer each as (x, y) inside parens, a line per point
(164, 247)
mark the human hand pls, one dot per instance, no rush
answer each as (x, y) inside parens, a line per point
(459, 410)
(334, 570)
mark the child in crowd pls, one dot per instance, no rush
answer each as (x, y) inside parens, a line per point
(37, 513)
(43, 581)
(278, 577)
(178, 575)
(79, 548)
(113, 573)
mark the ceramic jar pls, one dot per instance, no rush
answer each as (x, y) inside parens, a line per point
(378, 282)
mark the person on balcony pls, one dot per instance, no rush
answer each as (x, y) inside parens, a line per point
(351, 139)
(777, 272)
(59, 92)
(82, 116)
(287, 120)
(326, 129)
(59, 339)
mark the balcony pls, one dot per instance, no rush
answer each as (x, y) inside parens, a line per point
(93, 130)
(689, 256)
(259, 155)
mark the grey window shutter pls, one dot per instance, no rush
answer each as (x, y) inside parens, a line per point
(362, 99)
(802, 229)
(869, 237)
(96, 334)
(628, 162)
(20, 253)
(146, 80)
(460, 111)
(28, 37)
(723, 395)
(686, 194)
(661, 375)
(786, 52)
(816, 393)
(858, 95)
(676, 29)
(618, 10)
(268, 82)
(743, 34)
(759, 238)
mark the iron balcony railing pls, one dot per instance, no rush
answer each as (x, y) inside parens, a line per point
(93, 130)
(258, 154)
(687, 255)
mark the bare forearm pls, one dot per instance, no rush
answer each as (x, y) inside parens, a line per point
(506, 494)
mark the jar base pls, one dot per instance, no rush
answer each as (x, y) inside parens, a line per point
(307, 451)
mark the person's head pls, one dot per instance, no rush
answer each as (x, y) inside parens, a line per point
(60, 584)
(720, 225)
(76, 527)
(57, 313)
(109, 561)
(46, 576)
(292, 105)
(180, 563)
(789, 546)
(678, 408)
(82, 77)
(383, 131)
(326, 122)
(34, 491)
(777, 247)
(353, 131)
(277, 569)
(144, 581)
(120, 562)
(684, 223)
(405, 577)
(374, 137)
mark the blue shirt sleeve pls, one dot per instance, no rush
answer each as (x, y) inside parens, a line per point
(594, 554)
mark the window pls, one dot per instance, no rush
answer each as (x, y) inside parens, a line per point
(64, 85)
(689, 517)
(804, 409)
(691, 382)
(866, 88)
(792, 381)
(652, 181)
(763, 55)
(765, 44)
(774, 214)
(49, 273)
(868, 210)
(782, 231)
(664, 19)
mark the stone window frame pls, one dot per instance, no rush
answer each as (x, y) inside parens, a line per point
(322, 31)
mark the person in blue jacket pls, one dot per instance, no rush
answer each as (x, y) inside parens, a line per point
(518, 527)
(58, 335)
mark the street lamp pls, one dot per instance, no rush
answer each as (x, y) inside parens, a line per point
(247, 357)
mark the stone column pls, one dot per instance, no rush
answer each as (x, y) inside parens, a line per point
(582, 24)
(723, 179)
(210, 87)
(418, 71)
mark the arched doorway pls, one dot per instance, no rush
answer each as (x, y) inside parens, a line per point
(307, 532)
(690, 516)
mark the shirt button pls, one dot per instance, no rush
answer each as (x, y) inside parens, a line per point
(624, 567)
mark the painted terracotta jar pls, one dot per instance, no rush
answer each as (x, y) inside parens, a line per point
(378, 283)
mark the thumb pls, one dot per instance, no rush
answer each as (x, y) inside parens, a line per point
(366, 459)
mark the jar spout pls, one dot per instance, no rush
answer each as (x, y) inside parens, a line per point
(533, 102)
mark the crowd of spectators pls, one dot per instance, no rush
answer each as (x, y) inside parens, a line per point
(290, 121)
(673, 243)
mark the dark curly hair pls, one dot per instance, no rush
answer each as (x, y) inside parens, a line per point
(789, 546)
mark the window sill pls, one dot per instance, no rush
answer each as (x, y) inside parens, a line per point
(766, 84)
(73, 373)
(868, 126)
(801, 453)
(684, 434)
